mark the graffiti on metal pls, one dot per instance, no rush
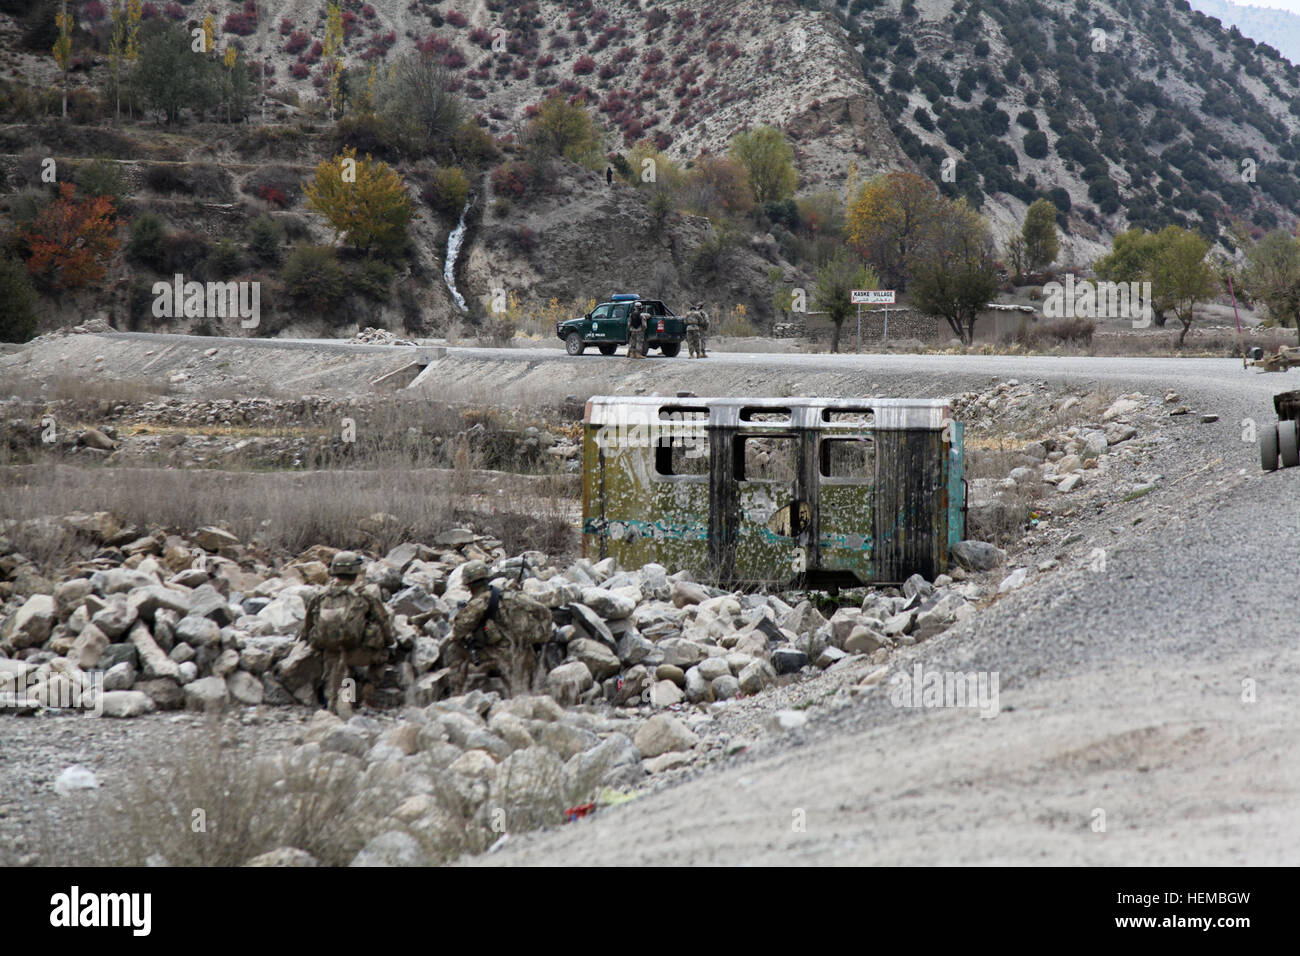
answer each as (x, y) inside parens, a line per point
(774, 491)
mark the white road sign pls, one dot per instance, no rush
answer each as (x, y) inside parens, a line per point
(871, 297)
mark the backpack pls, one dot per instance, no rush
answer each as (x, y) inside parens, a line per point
(340, 620)
(519, 615)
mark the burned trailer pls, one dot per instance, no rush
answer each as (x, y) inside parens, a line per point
(795, 492)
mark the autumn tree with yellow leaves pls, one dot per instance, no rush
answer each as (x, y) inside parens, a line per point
(887, 217)
(364, 201)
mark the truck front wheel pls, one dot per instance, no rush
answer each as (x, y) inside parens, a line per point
(671, 349)
(608, 348)
(573, 344)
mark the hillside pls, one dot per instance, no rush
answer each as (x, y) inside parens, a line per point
(1278, 28)
(1123, 114)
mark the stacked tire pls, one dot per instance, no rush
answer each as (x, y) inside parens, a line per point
(1280, 441)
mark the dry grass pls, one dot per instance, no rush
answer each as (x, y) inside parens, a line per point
(217, 804)
(289, 512)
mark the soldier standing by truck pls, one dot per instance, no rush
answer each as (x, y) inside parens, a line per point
(636, 323)
(697, 323)
(349, 625)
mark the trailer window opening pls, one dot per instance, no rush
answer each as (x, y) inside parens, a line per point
(759, 413)
(766, 458)
(849, 416)
(849, 459)
(683, 413)
(682, 456)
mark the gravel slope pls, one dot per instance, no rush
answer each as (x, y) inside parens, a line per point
(1120, 691)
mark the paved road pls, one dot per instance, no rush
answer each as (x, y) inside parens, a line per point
(1147, 713)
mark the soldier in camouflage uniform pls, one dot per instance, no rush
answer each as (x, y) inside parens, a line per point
(637, 320)
(495, 638)
(349, 626)
(697, 323)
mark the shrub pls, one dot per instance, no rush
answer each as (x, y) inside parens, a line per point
(165, 179)
(1036, 144)
(273, 196)
(265, 237)
(367, 133)
(297, 42)
(102, 177)
(225, 260)
(584, 65)
(512, 180)
(446, 191)
(147, 240)
(312, 274)
(18, 318)
(474, 145)
(240, 24)
(374, 279)
(185, 252)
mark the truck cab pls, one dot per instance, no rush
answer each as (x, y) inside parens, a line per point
(605, 327)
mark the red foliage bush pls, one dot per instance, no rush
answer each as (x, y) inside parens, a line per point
(175, 11)
(456, 18)
(480, 37)
(240, 24)
(663, 141)
(545, 60)
(512, 179)
(299, 71)
(368, 11)
(273, 195)
(286, 27)
(148, 11)
(608, 71)
(93, 10)
(296, 42)
(584, 65)
(453, 60)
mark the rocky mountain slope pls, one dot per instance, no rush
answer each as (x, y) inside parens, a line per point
(1122, 113)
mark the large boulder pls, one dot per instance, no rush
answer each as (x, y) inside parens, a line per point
(127, 703)
(586, 772)
(662, 734)
(568, 682)
(89, 647)
(977, 555)
(600, 660)
(206, 694)
(153, 661)
(31, 624)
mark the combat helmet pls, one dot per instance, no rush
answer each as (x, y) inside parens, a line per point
(474, 571)
(345, 564)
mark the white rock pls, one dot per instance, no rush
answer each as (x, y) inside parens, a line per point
(73, 778)
(1013, 580)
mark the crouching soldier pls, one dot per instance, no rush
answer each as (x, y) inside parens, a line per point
(495, 638)
(350, 627)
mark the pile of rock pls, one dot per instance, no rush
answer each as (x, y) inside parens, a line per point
(200, 622)
(373, 336)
